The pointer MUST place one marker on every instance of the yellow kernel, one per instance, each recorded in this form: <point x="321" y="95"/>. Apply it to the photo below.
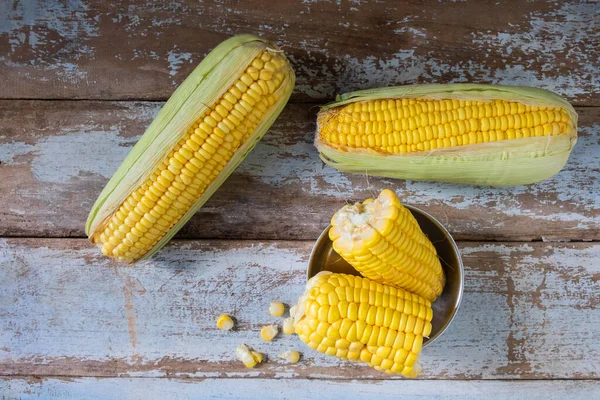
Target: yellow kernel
<point x="224" y="322"/>
<point x="276" y="309"/>
<point x="269" y="332"/>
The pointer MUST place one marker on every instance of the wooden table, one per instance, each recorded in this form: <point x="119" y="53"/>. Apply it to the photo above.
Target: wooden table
<point x="80" y="81"/>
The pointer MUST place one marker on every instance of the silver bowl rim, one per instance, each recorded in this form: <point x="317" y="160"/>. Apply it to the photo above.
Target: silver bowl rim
<point x="325" y="236"/>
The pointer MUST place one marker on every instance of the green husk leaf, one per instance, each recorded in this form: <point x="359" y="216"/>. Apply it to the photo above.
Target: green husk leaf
<point x="209" y="80"/>
<point x="502" y="163"/>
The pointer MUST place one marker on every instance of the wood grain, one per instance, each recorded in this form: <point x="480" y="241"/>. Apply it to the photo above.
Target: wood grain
<point x="211" y="388"/>
<point x="529" y="311"/>
<point x="142" y="50"/>
<point x="57" y="155"/>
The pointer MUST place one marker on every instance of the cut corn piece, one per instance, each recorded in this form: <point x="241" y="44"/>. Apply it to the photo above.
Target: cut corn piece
<point x="382" y="240"/>
<point x="291" y="356"/>
<point x="288" y="326"/>
<point x="269" y="332"/>
<point x="480" y="134"/>
<point x="357" y="319"/>
<point x="276" y="309"/>
<point x="249" y="357"/>
<point x="202" y="133"/>
<point x="224" y="322"/>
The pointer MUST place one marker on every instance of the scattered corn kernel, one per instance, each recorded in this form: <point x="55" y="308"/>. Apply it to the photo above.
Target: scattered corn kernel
<point x="269" y="332"/>
<point x="291" y="356"/>
<point x="224" y="322"/>
<point x="248" y="356"/>
<point x="276" y="309"/>
<point x="288" y="326"/>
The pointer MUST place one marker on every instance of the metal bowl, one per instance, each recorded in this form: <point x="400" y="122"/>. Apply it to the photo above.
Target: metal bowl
<point x="324" y="258"/>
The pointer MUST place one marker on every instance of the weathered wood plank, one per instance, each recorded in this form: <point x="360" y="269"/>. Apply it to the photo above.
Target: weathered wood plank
<point x="529" y="311"/>
<point x="56" y="157"/>
<point x="210" y="388"/>
<point x="142" y="49"/>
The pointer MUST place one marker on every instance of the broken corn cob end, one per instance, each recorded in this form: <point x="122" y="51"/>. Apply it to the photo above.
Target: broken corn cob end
<point x="383" y="241"/>
<point x="356" y="319"/>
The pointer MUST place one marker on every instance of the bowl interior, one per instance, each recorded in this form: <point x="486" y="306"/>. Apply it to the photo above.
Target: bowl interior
<point x="324" y="258"/>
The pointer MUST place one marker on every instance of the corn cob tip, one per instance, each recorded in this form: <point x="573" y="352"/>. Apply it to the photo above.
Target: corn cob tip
<point x="383" y="241"/>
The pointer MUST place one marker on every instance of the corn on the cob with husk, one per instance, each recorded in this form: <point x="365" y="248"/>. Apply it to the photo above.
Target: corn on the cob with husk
<point x="468" y="133"/>
<point x="201" y="134"/>
<point x="357" y="319"/>
<point x="382" y="240"/>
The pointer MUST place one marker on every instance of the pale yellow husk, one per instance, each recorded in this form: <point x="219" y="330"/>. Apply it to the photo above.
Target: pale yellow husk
<point x="203" y="87"/>
<point x="502" y="163"/>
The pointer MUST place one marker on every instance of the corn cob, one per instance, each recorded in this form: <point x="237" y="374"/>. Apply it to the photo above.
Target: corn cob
<point x="357" y="319"/>
<point x="202" y="133"/>
<point x="383" y="241"/>
<point x="480" y="134"/>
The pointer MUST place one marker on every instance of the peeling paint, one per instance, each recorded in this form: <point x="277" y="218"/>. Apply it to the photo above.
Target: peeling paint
<point x="9" y="152"/>
<point x="118" y="388"/>
<point x="415" y="32"/>
<point x="176" y="59"/>
<point x="298" y="164"/>
<point x="79" y="319"/>
<point x="286" y="161"/>
<point x="549" y="45"/>
<point x="47" y="29"/>
<point x="189" y="320"/>
<point x="59" y="159"/>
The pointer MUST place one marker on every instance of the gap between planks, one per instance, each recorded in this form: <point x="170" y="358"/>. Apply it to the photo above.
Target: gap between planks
<point x="42" y="195"/>
<point x="60" y="293"/>
<point x="71" y="377"/>
<point x="269" y="239"/>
